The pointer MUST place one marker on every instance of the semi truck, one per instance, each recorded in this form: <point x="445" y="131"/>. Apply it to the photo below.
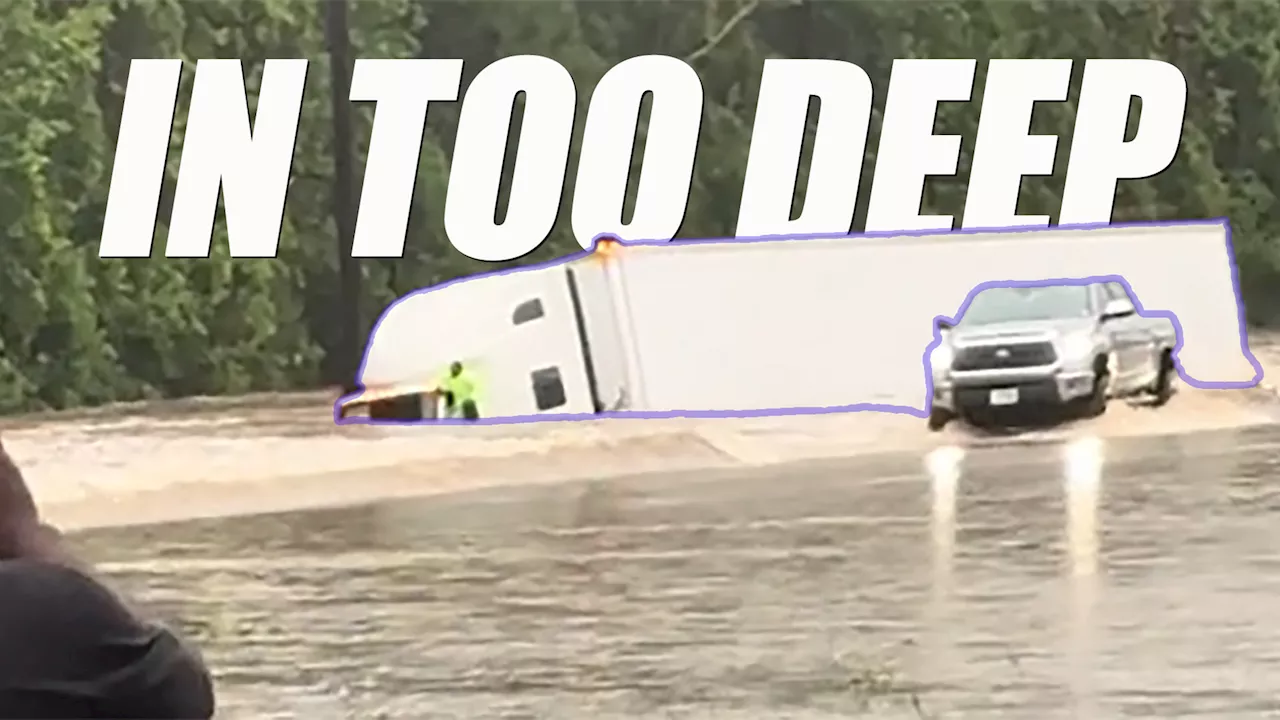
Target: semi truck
<point x="768" y="326"/>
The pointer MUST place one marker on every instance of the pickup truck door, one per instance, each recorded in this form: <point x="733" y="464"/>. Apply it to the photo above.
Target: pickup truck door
<point x="1132" y="340"/>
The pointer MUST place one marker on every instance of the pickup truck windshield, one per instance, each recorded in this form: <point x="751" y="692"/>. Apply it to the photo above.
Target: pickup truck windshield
<point x="999" y="305"/>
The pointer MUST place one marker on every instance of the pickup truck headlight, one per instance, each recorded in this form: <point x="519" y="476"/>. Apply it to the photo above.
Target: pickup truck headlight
<point x="1077" y="347"/>
<point x="940" y="358"/>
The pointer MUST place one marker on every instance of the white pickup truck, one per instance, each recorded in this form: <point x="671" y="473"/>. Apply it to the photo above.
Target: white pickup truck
<point x="1049" y="346"/>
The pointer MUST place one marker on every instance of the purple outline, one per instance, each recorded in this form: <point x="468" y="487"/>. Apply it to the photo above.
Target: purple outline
<point x="873" y="407"/>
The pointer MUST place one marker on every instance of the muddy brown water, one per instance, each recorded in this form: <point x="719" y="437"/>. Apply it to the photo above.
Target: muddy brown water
<point x="1091" y="579"/>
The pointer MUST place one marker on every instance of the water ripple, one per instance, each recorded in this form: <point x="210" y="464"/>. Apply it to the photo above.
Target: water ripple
<point x="1016" y="582"/>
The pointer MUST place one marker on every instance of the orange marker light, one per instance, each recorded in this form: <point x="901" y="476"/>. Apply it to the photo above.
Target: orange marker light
<point x="606" y="248"/>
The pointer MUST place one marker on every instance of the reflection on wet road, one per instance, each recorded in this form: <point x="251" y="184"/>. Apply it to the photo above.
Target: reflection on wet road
<point x="1127" y="578"/>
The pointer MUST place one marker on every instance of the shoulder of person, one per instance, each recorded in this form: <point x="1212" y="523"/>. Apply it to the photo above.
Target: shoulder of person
<point x="66" y="633"/>
<point x="25" y="571"/>
<point x="36" y="589"/>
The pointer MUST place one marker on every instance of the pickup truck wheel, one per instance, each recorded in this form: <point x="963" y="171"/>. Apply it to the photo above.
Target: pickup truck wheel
<point x="1096" y="403"/>
<point x="938" y="419"/>
<point x="1163" y="388"/>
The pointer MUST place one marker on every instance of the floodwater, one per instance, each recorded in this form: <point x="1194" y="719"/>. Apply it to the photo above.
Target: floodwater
<point x="1086" y="579"/>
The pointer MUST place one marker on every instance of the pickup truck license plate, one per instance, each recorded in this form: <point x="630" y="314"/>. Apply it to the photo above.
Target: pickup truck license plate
<point x="1004" y="396"/>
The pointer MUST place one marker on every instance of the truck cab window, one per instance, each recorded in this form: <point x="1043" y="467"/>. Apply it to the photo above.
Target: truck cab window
<point x="527" y="311"/>
<point x="548" y="388"/>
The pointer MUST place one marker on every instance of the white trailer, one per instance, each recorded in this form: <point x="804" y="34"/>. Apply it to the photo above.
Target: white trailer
<point x="778" y="325"/>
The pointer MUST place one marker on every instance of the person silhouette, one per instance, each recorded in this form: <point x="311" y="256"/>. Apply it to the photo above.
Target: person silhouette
<point x="459" y="388"/>
<point x="69" y="646"/>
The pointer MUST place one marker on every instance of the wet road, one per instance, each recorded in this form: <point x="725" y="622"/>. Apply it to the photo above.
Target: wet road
<point x="1091" y="579"/>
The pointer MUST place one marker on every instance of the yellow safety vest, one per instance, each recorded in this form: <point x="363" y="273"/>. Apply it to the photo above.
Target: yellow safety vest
<point x="462" y="386"/>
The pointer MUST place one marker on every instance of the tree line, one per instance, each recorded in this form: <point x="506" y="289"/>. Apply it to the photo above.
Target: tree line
<point x="76" y="330"/>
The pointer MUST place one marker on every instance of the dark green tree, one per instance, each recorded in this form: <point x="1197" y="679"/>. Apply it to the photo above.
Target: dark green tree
<point x="77" y="330"/>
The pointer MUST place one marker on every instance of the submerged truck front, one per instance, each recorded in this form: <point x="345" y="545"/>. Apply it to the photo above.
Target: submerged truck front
<point x="516" y="333"/>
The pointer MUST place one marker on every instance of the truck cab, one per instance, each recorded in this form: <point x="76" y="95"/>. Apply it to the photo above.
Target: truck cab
<point x="516" y="333"/>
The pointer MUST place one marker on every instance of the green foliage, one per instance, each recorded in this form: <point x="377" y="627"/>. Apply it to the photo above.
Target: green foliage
<point x="76" y="330"/>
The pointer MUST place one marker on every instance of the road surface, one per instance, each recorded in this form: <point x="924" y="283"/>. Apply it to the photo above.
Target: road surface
<point x="1083" y="578"/>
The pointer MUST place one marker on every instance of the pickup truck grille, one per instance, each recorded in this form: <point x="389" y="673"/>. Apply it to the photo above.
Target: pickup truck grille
<point x="1002" y="357"/>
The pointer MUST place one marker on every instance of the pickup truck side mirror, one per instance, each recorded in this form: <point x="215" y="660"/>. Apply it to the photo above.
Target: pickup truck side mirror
<point x="1117" y="308"/>
<point x="944" y="325"/>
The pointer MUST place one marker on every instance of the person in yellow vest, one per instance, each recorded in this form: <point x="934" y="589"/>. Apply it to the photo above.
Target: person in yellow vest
<point x="459" y="390"/>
